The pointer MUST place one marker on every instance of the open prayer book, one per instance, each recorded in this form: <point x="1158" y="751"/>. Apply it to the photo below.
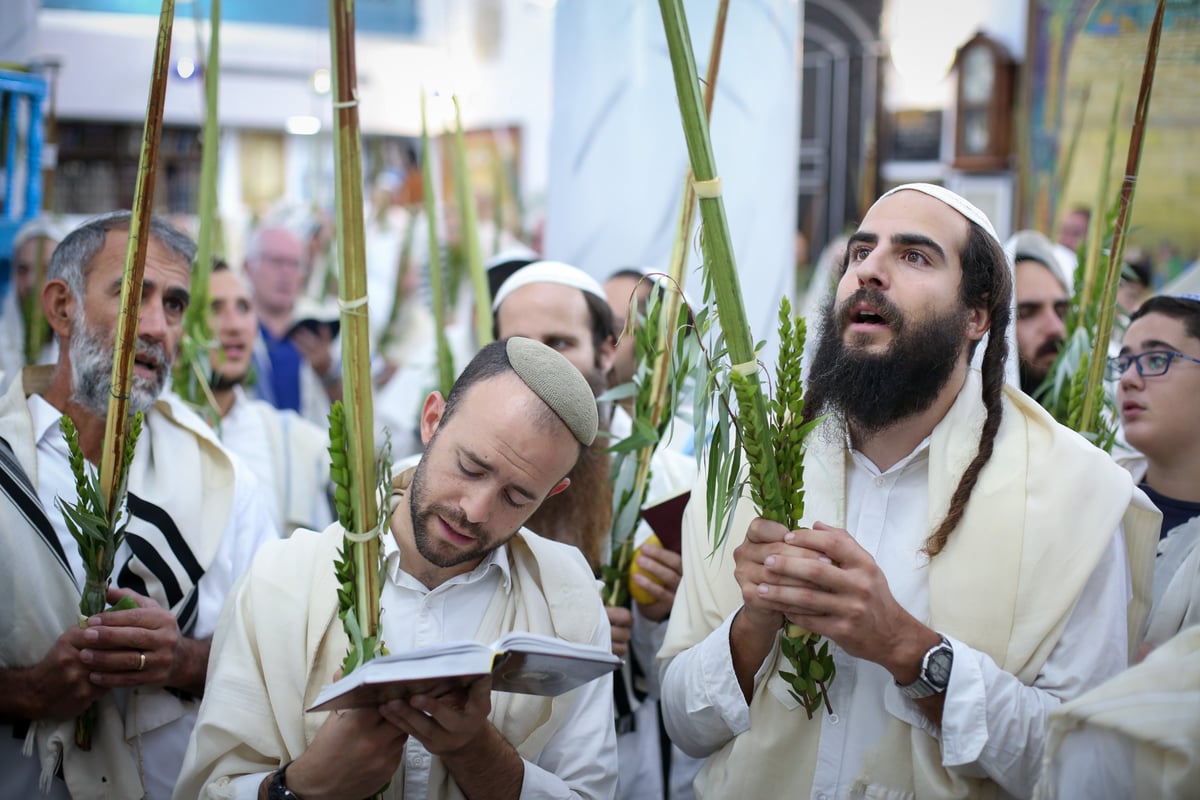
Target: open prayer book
<point x="526" y="663"/>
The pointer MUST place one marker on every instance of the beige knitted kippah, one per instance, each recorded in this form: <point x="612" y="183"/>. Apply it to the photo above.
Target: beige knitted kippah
<point x="560" y="385"/>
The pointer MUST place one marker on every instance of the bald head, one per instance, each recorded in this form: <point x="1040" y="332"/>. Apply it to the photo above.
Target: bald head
<point x="275" y="269"/>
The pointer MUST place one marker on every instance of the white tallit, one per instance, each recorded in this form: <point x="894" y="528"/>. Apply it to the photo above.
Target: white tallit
<point x="1005" y="584"/>
<point x="1135" y="735"/>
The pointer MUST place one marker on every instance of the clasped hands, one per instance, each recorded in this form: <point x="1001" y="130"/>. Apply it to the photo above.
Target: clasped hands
<point x="822" y="580"/>
<point x="115" y="649"/>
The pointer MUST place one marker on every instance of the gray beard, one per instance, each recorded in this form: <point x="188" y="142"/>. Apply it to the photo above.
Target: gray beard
<point x="91" y="372"/>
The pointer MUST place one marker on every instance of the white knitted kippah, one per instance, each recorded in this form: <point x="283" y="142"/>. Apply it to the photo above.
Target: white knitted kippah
<point x="38" y="227"/>
<point x="955" y="201"/>
<point x="1029" y="245"/>
<point x="548" y="272"/>
<point x="558" y="382"/>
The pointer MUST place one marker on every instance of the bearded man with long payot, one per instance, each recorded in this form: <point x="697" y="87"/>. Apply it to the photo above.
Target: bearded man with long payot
<point x="194" y="521"/>
<point x="967" y="558"/>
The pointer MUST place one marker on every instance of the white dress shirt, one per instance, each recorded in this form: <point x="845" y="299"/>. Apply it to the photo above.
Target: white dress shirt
<point x="250" y="524"/>
<point x="992" y="724"/>
<point x="241" y="432"/>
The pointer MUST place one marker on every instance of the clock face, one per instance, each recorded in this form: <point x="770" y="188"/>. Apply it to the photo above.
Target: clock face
<point x="977" y="134"/>
<point x="978" y="76"/>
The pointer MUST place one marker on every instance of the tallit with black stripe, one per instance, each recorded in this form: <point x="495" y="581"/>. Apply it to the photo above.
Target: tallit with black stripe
<point x="180" y="495"/>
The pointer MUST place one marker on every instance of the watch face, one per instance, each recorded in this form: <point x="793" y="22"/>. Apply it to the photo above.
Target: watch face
<point x="940" y="662"/>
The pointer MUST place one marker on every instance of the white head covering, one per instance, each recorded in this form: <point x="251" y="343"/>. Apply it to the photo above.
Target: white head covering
<point x="548" y="272"/>
<point x="40" y="226"/>
<point x="1029" y="245"/>
<point x="955" y="201"/>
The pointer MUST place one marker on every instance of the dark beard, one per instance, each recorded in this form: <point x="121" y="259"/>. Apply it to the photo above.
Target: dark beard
<point x="582" y="515"/>
<point x="873" y="392"/>
<point x="223" y="383"/>
<point x="1031" y="377"/>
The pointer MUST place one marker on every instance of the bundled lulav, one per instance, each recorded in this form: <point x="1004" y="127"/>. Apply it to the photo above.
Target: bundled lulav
<point x="667" y="351"/>
<point x="779" y="494"/>
<point x="754" y="428"/>
<point x="664" y="357"/>
<point x="363" y="645"/>
<point x="98" y="536"/>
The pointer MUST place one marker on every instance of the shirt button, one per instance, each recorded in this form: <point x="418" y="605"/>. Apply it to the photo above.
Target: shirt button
<point x="880" y="482"/>
<point x="833" y="719"/>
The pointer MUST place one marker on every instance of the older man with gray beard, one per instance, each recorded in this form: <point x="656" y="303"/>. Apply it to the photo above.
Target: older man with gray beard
<point x="194" y="521"/>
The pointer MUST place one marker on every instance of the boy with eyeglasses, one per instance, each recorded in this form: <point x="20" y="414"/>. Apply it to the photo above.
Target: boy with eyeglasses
<point x="1158" y="395"/>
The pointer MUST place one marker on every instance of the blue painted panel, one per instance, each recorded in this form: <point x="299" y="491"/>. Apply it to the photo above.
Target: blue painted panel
<point x="395" y="17"/>
<point x="20" y="90"/>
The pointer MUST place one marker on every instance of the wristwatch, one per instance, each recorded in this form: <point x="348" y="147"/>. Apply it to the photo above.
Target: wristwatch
<point x="278" y="789"/>
<point x="935" y="672"/>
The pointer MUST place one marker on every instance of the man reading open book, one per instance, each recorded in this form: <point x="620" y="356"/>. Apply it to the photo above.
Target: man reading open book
<point x="459" y="566"/>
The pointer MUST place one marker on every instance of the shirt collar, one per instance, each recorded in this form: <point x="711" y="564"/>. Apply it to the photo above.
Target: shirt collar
<point x="45" y="418"/>
<point x="497" y="559"/>
<point x="920" y="454"/>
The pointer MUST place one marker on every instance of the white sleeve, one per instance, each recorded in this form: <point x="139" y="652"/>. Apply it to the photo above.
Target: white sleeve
<point x="648" y="637"/>
<point x="702" y="702"/>
<point x="580" y="760"/>
<point x="994" y="725"/>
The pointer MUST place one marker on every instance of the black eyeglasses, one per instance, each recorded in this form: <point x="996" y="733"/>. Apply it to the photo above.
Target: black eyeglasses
<point x="1149" y="364"/>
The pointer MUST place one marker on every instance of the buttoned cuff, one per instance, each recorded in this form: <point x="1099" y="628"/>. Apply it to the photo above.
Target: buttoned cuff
<point x="719" y="686"/>
<point x="964" y="715"/>
<point x="538" y="784"/>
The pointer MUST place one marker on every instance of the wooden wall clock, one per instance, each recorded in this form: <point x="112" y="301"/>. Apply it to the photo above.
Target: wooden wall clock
<point x="983" y="122"/>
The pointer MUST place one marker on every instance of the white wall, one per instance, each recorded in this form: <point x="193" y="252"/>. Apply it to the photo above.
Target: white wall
<point x="618" y="156"/>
